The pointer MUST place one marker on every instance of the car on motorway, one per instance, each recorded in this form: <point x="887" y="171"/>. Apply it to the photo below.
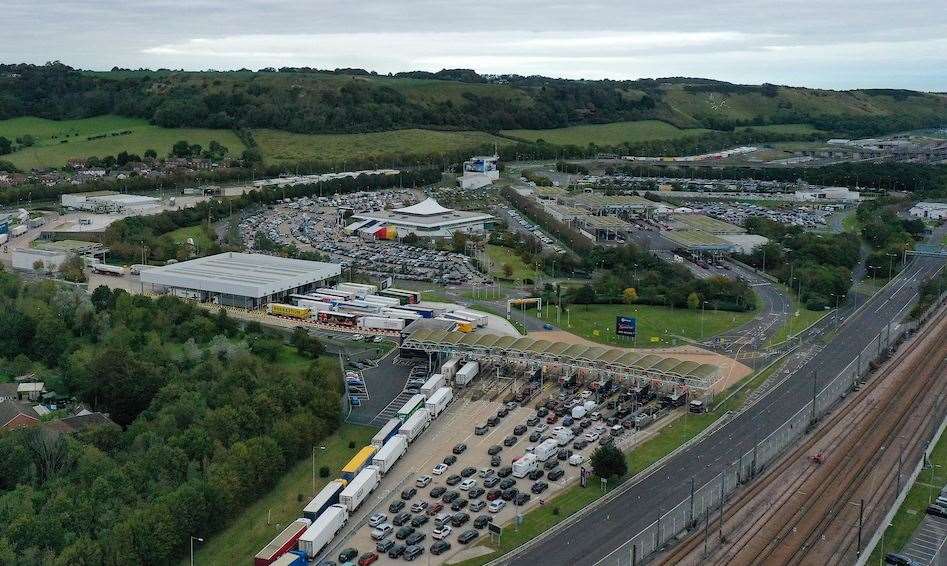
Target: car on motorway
<point x="367" y="559"/>
<point x="496" y="505"/>
<point x="468" y="536"/>
<point x="441" y="532"/>
<point x="407" y="494"/>
<point x="413" y="552"/>
<point x="459" y="448"/>
<point x="414" y="538"/>
<point x="419" y="521"/>
<point x="419" y="506"/>
<point x="438" y="491"/>
<point x="555" y="474"/>
<point x="423" y="481"/>
<point x="449" y="460"/>
<point x="450" y="496"/>
<point x="401" y="518"/>
<point x="491" y="481"/>
<point x="519" y="430"/>
<point x="458" y="504"/>
<point x="377" y="519"/>
<point x="495" y="461"/>
<point x="384" y="545"/>
<point x="539" y="487"/>
<point x="453" y="479"/>
<point x="382" y="531"/>
<point x="396" y="506"/>
<point x="521" y="499"/>
<point x="481" y="430"/>
<point x="439" y="469"/>
<point x="434" y="508"/>
<point x="468" y="484"/>
<point x="494" y="450"/>
<point x="468" y="471"/>
<point x="348" y="555"/>
<point x="509" y="441"/>
<point x="482" y="521"/>
<point x="507" y="483"/>
<point x="404" y="532"/>
<point x="458" y="519"/>
<point x="476" y="506"/>
<point x="396" y="551"/>
<point x="440" y="547"/>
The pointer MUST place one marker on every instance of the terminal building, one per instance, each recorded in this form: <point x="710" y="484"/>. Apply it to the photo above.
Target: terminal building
<point x="427" y="218"/>
<point x="104" y="202"/>
<point x="248" y="281"/>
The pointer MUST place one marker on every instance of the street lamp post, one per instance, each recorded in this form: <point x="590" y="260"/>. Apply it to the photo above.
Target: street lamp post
<point x="198" y="539"/>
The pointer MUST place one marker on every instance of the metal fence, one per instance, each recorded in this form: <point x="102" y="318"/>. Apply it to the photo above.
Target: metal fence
<point x="695" y="511"/>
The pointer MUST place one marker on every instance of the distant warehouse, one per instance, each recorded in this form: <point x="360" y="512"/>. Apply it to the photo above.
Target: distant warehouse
<point x="241" y="280"/>
<point x="108" y="202"/>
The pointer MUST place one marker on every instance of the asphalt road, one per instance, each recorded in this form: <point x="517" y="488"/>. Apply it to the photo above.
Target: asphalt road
<point x="597" y="535"/>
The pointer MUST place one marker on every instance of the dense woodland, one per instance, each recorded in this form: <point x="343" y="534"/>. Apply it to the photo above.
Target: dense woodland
<point x="353" y="100"/>
<point x="209" y="420"/>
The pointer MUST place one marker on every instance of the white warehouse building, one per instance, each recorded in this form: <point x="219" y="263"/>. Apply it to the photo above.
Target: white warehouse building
<point x="108" y="202"/>
<point x="241" y="280"/>
<point x="929" y="210"/>
<point x="427" y="218"/>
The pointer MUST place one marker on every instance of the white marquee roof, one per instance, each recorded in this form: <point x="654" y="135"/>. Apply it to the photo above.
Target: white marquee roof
<point x="427" y="207"/>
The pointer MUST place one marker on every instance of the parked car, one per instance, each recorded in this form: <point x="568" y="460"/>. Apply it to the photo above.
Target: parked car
<point x="551" y="463"/>
<point x="434" y="508"/>
<point x="468" y="536"/>
<point x="532" y="421"/>
<point x="459" y="448"/>
<point x="414" y="538"/>
<point x="441" y="532"/>
<point x="495" y="461"/>
<point x="494" y="494"/>
<point x="491" y="481"/>
<point x="509" y="441"/>
<point x="450" y="459"/>
<point x="423" y="481"/>
<point x="382" y="531"/>
<point x="539" y="487"/>
<point x="519" y="430"/>
<point x="535" y="436"/>
<point x="419" y="521"/>
<point x="439" y="469"/>
<point x="898" y="559"/>
<point x="468" y="484"/>
<point x="542" y="412"/>
<point x="476" y="492"/>
<point x="555" y="474"/>
<point x="521" y="499"/>
<point x="440" y="547"/>
<point x="507" y="483"/>
<point x="483" y="520"/>
<point x="396" y="506"/>
<point x="494" y="450"/>
<point x="477" y="506"/>
<point x="453" y="479"/>
<point x="458" y="519"/>
<point x="535" y="474"/>
<point x="419" y="506"/>
<point x="937" y="511"/>
<point x="438" y="491"/>
<point x="384" y="545"/>
<point x="396" y="551"/>
<point x="409" y="493"/>
<point x="401" y="518"/>
<point x="564" y="454"/>
<point x="503" y="412"/>
<point x="377" y="519"/>
<point x="450" y="496"/>
<point x="509" y="494"/>
<point x="496" y="505"/>
<point x="493" y="421"/>
<point x="468" y="471"/>
<point x="459" y="504"/>
<point x="479" y="430"/>
<point x="413" y="552"/>
<point x="348" y="555"/>
<point x="404" y="532"/>
<point x="367" y="559"/>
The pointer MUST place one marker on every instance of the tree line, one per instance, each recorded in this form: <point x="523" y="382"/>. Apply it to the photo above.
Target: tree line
<point x="208" y="422"/>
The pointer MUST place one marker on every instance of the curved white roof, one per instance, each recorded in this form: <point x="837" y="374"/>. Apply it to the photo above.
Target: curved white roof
<point x="427" y="207"/>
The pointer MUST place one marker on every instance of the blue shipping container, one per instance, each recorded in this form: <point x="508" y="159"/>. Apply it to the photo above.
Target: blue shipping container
<point x="5" y="228"/>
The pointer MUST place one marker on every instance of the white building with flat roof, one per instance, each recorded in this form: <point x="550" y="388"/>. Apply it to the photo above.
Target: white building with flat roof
<point x="931" y="210"/>
<point x="239" y="279"/>
<point x="427" y="218"/>
<point x="108" y="201"/>
<point x="828" y="193"/>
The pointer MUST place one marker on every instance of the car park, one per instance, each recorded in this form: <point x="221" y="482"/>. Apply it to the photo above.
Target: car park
<point x="556" y="474"/>
<point x="477" y="506"/>
<point x="413" y="552"/>
<point x="438" y="491"/>
<point x="468" y="536"/>
<point x="382" y="531"/>
<point x="439" y="469"/>
<point x="384" y="545"/>
<point x="458" y="504"/>
<point x="496" y="505"/>
<point x="482" y="521"/>
<point x="407" y="494"/>
<point x="401" y="518"/>
<point x="521" y="499"/>
<point x="377" y="519"/>
<point x="450" y="496"/>
<point x="434" y="508"/>
<point x="440" y="547"/>
<point x="494" y="450"/>
<point x="509" y="441"/>
<point x="419" y="521"/>
<point x="423" y="481"/>
<point x="441" y="532"/>
<point x="396" y="506"/>
<point x="458" y="519"/>
<point x="404" y="532"/>
<point x="396" y="551"/>
<point x="491" y="481"/>
<point x="453" y="480"/>
<point x="460" y="448"/>
<point x="450" y="459"/>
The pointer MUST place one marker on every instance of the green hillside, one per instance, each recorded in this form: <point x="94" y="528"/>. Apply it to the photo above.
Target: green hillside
<point x="607" y="134"/>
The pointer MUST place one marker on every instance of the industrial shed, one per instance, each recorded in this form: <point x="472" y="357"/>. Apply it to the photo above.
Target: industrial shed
<point x="241" y="280"/>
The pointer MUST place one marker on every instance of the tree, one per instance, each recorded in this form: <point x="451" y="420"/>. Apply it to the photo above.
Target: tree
<point x="507" y="270"/>
<point x="5" y="146"/>
<point x="73" y="269"/>
<point x="693" y="300"/>
<point x="305" y="344"/>
<point x="630" y="295"/>
<point x="181" y="149"/>
<point x="102" y="298"/>
<point x="584" y="295"/>
<point x="38" y="265"/>
<point x="266" y="347"/>
<point x="151" y="154"/>
<point x="608" y="461"/>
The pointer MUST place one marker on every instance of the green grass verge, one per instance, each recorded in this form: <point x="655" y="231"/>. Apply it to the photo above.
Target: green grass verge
<point x="657" y="326"/>
<point x="574" y="498"/>
<point x="911" y="511"/>
<point x="194" y="232"/>
<point x="607" y="134"/>
<point x="50" y="151"/>
<point x="249" y="532"/>
<point x="285" y="147"/>
<point x="500" y="256"/>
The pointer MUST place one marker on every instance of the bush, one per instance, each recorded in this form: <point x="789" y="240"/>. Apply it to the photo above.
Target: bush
<point x="608" y="461"/>
<point x="324" y="472"/>
<point x="351" y="444"/>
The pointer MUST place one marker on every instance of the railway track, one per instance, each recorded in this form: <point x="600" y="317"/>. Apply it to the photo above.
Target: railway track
<point x="800" y="513"/>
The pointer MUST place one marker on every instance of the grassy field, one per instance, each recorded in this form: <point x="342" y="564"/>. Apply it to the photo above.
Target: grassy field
<point x="285" y="147"/>
<point x="785" y="129"/>
<point x="196" y="232"/>
<point x="573" y="499"/>
<point x="607" y="134"/>
<point x="911" y="512"/>
<point x="50" y="151"/>
<point x="657" y="326"/>
<point x="501" y="256"/>
<point x="249" y="532"/>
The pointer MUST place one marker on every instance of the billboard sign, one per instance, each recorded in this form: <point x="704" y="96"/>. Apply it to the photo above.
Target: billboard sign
<point x="626" y="326"/>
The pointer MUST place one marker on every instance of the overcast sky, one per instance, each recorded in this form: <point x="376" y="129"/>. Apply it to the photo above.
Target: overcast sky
<point x="818" y="43"/>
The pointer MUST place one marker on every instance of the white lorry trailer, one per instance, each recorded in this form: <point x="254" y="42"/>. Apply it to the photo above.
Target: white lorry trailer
<point x="359" y="488"/>
<point x="323" y="530"/>
<point x="415" y="424"/>
<point x="433" y="383"/>
<point x="439" y="401"/>
<point x="466" y="374"/>
<point x="394" y="449"/>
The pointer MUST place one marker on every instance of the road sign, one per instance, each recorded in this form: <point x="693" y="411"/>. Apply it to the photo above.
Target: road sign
<point x="626" y="326"/>
<point x="495" y="529"/>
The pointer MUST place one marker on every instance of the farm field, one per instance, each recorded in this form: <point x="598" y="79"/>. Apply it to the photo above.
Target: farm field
<point x="49" y="150"/>
<point x="607" y="134"/>
<point x="285" y="147"/>
<point x="657" y="326"/>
